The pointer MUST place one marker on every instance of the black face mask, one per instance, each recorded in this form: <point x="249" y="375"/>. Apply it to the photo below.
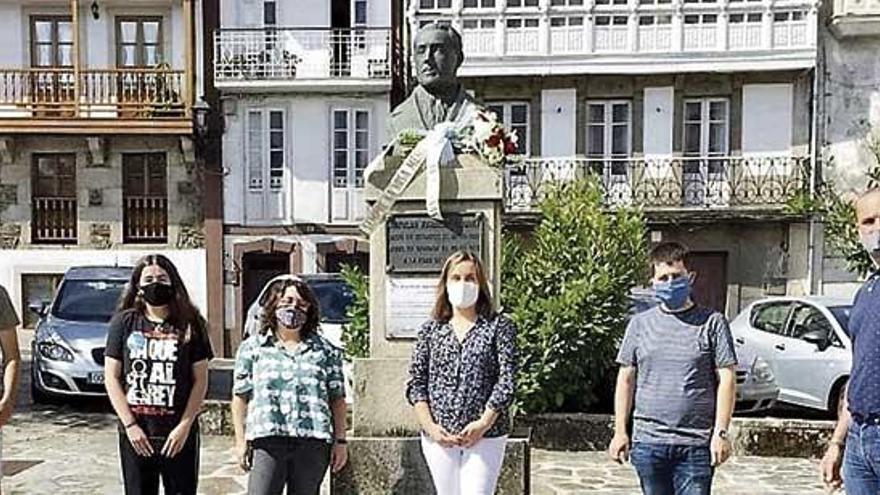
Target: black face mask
<point x="157" y="294"/>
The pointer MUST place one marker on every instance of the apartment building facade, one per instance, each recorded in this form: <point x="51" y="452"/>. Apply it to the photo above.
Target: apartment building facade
<point x="850" y="113"/>
<point x="305" y="89"/>
<point x="97" y="152"/>
<point x="698" y="112"/>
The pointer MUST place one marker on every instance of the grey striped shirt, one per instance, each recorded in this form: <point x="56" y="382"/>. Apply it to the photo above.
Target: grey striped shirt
<point x="676" y="356"/>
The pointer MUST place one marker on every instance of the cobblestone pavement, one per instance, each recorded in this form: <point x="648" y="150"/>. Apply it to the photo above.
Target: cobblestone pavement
<point x="67" y="450"/>
<point x="72" y="450"/>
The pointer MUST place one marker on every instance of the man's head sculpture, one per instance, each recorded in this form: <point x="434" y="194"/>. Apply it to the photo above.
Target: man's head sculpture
<point x="437" y="55"/>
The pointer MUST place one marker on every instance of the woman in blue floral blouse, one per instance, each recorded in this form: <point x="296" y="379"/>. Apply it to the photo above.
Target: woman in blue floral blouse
<point x="288" y="405"/>
<point x="462" y="381"/>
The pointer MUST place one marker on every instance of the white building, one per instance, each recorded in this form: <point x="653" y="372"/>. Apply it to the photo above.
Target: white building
<point x="698" y="111"/>
<point x="305" y="88"/>
<point x="96" y="140"/>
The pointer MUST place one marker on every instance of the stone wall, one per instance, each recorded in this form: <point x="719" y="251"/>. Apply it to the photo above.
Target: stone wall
<point x="99" y="189"/>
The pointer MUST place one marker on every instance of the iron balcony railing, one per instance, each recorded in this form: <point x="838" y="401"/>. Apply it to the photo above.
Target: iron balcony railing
<point x="301" y="54"/>
<point x="688" y="183"/>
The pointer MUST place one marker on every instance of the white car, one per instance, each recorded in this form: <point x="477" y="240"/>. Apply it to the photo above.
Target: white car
<point x="806" y="342"/>
<point x="333" y="295"/>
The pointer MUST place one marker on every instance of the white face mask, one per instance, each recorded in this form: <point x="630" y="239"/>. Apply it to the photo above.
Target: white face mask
<point x="462" y="295"/>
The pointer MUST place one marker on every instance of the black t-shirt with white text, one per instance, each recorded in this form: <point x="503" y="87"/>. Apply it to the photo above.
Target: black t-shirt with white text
<point x="157" y="368"/>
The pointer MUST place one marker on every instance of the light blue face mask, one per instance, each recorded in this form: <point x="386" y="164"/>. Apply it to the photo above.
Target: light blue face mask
<point x="675" y="293"/>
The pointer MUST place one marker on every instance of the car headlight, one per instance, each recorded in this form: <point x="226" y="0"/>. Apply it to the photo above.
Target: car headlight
<point x="762" y="371"/>
<point x="51" y="346"/>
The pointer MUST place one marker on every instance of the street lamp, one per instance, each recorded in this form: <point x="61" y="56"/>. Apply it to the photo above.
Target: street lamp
<point x="200" y="118"/>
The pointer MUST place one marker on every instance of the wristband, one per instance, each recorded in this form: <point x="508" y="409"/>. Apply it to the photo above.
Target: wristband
<point x="340" y="441"/>
<point x="130" y="424"/>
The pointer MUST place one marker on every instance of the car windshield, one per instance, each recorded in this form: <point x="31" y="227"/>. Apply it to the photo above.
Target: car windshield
<point x="334" y="297"/>
<point x="87" y="300"/>
<point x="841" y="314"/>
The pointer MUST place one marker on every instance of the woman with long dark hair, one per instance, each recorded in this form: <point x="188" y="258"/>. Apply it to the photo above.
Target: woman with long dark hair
<point x="156" y="376"/>
<point x="288" y="403"/>
<point x="462" y="381"/>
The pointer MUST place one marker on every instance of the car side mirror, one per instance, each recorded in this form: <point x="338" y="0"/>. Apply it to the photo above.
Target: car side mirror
<point x="817" y="337"/>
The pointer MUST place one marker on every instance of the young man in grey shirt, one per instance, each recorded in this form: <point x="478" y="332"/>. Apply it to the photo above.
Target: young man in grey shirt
<point x="677" y="377"/>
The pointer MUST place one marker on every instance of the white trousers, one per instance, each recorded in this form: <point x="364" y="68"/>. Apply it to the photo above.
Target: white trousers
<point x="465" y="471"/>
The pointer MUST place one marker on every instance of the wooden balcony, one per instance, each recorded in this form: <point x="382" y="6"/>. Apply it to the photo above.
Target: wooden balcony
<point x="94" y="101"/>
<point x="732" y="186"/>
<point x="54" y="220"/>
<point x="145" y="219"/>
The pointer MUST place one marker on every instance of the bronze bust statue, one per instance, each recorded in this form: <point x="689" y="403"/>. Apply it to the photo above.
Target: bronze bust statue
<point x="439" y="96"/>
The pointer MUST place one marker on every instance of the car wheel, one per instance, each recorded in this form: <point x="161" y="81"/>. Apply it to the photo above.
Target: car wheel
<point x="836" y="402"/>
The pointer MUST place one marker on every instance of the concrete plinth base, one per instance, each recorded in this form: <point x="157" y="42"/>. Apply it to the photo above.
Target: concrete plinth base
<point x="395" y="465"/>
<point x="380" y="408"/>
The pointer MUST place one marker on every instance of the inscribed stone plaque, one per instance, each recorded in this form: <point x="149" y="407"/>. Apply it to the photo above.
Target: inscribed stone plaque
<point x="420" y="244"/>
<point x="408" y="303"/>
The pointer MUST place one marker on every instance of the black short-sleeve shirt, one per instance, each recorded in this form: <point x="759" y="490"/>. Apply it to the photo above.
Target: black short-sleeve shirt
<point x="157" y="368"/>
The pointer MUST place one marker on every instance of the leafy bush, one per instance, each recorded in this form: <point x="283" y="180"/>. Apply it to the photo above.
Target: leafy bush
<point x="838" y="215"/>
<point x="567" y="289"/>
<point x="356" y="333"/>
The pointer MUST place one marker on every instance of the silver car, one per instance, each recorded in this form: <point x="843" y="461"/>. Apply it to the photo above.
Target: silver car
<point x="806" y="341"/>
<point x="68" y="346"/>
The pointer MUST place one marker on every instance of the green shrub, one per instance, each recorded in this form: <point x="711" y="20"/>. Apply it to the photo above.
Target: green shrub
<point x="356" y="333"/>
<point x="567" y="289"/>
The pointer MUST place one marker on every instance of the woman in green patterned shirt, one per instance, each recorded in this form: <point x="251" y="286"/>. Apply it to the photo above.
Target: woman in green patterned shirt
<point x="288" y="405"/>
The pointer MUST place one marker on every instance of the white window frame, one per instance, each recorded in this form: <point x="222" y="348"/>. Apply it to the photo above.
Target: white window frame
<point x="481" y="4"/>
<point x="705" y="126"/>
<point x="354" y="175"/>
<point x="507" y="115"/>
<point x="265" y="181"/>
<point x="608" y="128"/>
<point x="434" y="5"/>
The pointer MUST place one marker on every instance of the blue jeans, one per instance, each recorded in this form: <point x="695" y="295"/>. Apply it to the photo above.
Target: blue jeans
<point x="861" y="462"/>
<point x="673" y="469"/>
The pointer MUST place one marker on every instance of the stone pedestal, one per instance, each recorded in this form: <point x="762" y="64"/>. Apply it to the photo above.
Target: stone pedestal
<point x="469" y="188"/>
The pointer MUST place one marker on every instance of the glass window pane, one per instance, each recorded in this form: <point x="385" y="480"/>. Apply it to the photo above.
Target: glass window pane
<point x="531" y="23"/>
<point x="151" y="31"/>
<point x="128" y="31"/>
<point x="692" y="139"/>
<point x="361" y="120"/>
<point x="557" y="21"/>
<point x="717" y="138"/>
<point x="340" y="140"/>
<point x="575" y="21"/>
<point x="340" y="119"/>
<point x="276" y="140"/>
<point x="519" y="114"/>
<point x="596" y="113"/>
<point x="42" y="31"/>
<point x="269" y="13"/>
<point x="523" y="134"/>
<point x="360" y="140"/>
<point x="65" y="56"/>
<point x="444" y="4"/>
<point x="498" y="110"/>
<point x="692" y="111"/>
<point x="718" y="110"/>
<point x="710" y="19"/>
<point x="151" y="56"/>
<point x="603" y="20"/>
<point x="470" y="4"/>
<point x="340" y="159"/>
<point x="276" y="120"/>
<point x="128" y="56"/>
<point x="65" y="32"/>
<point x="44" y="56"/>
<point x="619" y="144"/>
<point x="276" y="159"/>
<point x="596" y="140"/>
<point x="620" y="112"/>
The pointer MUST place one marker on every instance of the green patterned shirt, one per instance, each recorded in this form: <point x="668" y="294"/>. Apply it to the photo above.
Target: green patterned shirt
<point x="289" y="392"/>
